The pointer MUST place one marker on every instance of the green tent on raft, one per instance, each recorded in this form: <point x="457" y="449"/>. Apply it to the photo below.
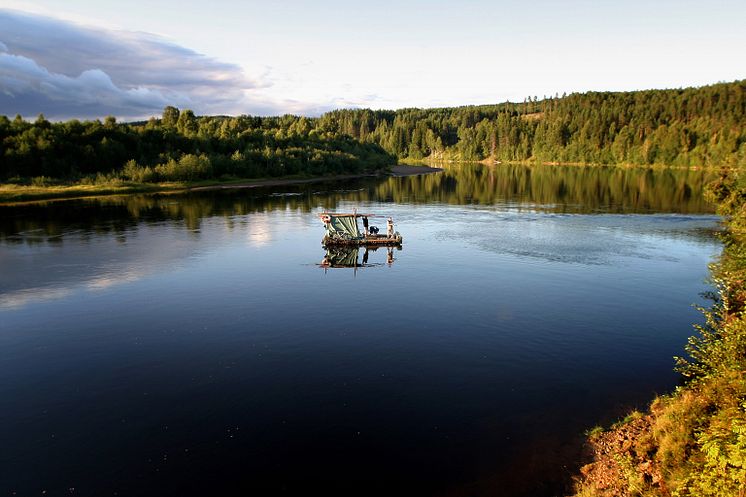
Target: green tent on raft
<point x="343" y="226"/>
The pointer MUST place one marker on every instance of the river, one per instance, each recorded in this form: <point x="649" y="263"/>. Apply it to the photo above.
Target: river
<point x="193" y="344"/>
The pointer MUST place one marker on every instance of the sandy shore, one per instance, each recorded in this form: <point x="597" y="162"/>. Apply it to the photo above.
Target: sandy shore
<point x="398" y="170"/>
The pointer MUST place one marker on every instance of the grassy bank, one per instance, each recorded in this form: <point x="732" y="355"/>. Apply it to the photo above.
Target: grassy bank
<point x="691" y="442"/>
<point x="20" y="193"/>
<point x="57" y="190"/>
<point x="45" y="189"/>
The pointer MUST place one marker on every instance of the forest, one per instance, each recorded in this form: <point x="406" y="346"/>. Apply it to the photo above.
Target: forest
<point x="704" y="126"/>
<point x="179" y="147"/>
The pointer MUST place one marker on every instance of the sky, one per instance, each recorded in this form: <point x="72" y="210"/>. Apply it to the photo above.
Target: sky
<point x="91" y="58"/>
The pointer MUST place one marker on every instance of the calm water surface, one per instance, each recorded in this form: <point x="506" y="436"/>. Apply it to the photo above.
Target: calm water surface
<point x="192" y="345"/>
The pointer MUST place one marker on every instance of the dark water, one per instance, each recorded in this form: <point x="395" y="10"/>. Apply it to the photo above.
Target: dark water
<point x="192" y="344"/>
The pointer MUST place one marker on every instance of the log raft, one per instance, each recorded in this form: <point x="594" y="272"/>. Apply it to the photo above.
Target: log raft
<point x="342" y="229"/>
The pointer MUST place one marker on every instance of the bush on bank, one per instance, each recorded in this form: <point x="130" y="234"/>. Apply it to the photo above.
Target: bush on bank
<point x="692" y="443"/>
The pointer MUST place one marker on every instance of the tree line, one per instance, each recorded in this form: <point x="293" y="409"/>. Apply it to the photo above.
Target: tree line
<point x="180" y="147"/>
<point x="686" y="127"/>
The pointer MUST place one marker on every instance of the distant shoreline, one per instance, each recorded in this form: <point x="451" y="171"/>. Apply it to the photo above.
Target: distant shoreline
<point x="11" y="194"/>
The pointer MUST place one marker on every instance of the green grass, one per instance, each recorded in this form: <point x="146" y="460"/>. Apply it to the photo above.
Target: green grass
<point x="594" y="432"/>
<point x="44" y="188"/>
<point x="21" y="193"/>
<point x="628" y="419"/>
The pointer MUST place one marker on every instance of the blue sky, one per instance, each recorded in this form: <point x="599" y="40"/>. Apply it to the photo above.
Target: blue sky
<point x="82" y="58"/>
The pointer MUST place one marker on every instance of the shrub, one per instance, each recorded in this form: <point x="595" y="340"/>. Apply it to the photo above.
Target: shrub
<point x="138" y="174"/>
<point x="189" y="167"/>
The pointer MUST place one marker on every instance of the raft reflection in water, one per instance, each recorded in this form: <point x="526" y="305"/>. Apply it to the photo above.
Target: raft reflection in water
<point x="349" y="257"/>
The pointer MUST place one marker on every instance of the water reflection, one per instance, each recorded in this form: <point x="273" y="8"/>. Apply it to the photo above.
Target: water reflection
<point x="349" y="257"/>
<point x="559" y="189"/>
<point x="97" y="228"/>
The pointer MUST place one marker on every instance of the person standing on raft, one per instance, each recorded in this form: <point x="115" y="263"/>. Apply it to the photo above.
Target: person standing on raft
<point x="390" y="228"/>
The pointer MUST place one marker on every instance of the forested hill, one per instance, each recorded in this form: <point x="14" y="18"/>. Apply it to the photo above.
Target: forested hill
<point x="693" y="126"/>
<point x="180" y="147"/>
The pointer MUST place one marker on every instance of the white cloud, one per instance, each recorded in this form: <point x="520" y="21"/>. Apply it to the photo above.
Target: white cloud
<point x="28" y="89"/>
<point x="67" y="70"/>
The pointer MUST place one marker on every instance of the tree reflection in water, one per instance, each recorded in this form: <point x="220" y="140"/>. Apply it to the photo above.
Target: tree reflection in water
<point x="561" y="189"/>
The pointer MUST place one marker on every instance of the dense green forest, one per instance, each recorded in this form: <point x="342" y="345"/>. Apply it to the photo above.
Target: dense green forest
<point x="180" y="147"/>
<point x="689" y="127"/>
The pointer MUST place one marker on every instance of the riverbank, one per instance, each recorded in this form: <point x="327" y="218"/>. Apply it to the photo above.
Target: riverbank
<point x="691" y="442"/>
<point x="10" y="193"/>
